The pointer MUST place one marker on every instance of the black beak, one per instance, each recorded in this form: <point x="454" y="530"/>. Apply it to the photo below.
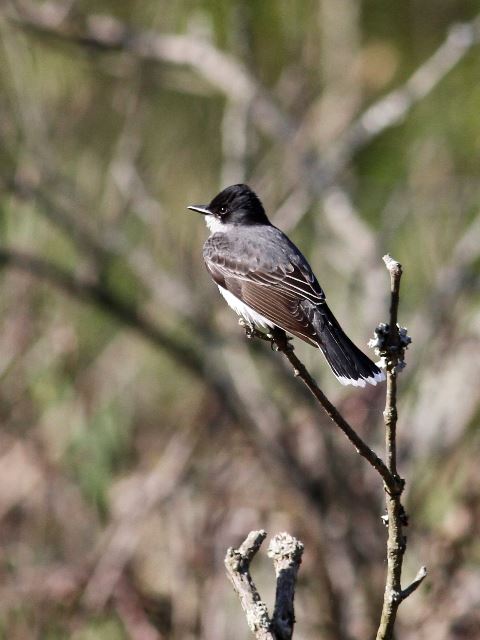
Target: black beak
<point x="200" y="208"/>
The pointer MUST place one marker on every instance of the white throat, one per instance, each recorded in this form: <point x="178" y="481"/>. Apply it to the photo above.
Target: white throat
<point x="214" y="224"/>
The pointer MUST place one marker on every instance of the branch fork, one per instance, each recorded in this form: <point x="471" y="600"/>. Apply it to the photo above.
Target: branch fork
<point x="286" y="553"/>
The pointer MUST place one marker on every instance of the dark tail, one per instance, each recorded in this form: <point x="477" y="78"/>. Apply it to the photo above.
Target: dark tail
<point x="347" y="362"/>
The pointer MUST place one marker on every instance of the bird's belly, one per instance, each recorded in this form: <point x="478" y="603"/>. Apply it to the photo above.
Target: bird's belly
<point x="241" y="309"/>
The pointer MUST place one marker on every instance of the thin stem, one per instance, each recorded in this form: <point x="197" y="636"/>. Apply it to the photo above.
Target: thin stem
<point x="396" y="516"/>
<point x="362" y="448"/>
<point x="395" y="269"/>
<point x="390" y="417"/>
<point x="416" y="582"/>
<point x="393" y="346"/>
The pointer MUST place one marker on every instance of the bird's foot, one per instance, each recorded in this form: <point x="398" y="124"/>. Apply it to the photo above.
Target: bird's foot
<point x="279" y="340"/>
<point x="250" y="330"/>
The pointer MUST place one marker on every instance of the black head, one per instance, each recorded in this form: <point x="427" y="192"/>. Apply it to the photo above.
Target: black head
<point x="237" y="204"/>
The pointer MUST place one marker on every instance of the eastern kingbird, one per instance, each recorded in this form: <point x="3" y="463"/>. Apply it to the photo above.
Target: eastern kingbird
<point x="268" y="282"/>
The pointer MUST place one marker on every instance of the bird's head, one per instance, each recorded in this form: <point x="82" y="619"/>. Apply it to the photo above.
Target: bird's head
<point x="235" y="205"/>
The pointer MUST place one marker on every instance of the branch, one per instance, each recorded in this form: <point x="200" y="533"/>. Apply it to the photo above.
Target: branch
<point x="286" y="553"/>
<point x="392" y="347"/>
<point x="237" y="564"/>
<point x="413" y="586"/>
<point x="281" y="342"/>
<point x="396" y="517"/>
<point x="395" y="340"/>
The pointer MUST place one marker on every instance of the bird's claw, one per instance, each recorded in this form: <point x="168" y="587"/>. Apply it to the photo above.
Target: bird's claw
<point x="250" y="330"/>
<point x="278" y="339"/>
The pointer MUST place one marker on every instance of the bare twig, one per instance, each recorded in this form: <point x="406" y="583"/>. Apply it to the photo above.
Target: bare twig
<point x="270" y="435"/>
<point x="286" y="553"/>
<point x="416" y="582"/>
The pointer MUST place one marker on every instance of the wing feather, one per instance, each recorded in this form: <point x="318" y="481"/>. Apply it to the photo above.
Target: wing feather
<point x="283" y="310"/>
<point x="276" y="291"/>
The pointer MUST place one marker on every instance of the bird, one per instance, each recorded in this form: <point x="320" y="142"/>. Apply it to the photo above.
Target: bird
<point x="269" y="283"/>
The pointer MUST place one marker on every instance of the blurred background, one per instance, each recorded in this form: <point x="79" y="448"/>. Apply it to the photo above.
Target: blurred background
<point x="141" y="433"/>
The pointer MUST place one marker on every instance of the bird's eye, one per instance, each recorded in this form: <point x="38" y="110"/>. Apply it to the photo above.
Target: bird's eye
<point x="223" y="210"/>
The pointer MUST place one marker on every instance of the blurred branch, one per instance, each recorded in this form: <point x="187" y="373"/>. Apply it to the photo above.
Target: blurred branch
<point x="219" y="69"/>
<point x="104" y="299"/>
<point x="62" y="215"/>
<point x="130" y="610"/>
<point x="69" y="216"/>
<point x="123" y="535"/>
<point x="234" y="142"/>
<point x="392" y="108"/>
<point x="383" y="114"/>
<point x="197" y="361"/>
<point x="286" y="553"/>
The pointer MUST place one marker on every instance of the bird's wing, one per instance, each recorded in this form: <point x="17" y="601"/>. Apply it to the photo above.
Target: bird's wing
<point x="286" y="293"/>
